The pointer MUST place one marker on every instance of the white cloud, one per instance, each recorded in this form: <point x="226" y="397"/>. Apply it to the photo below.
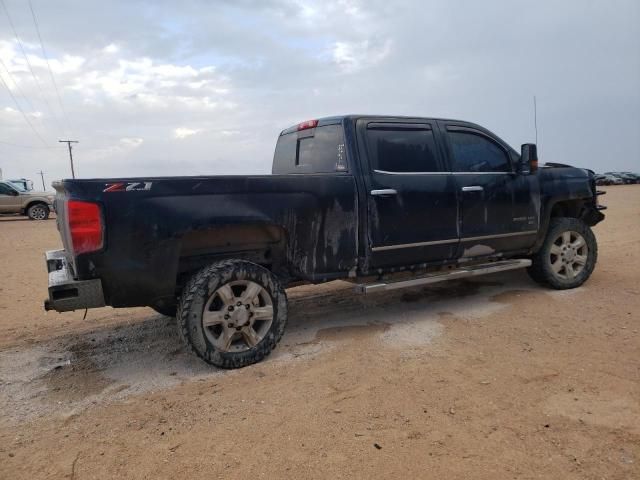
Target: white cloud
<point x="350" y="7"/>
<point x="15" y="62"/>
<point x="121" y="147"/>
<point x="354" y="56"/>
<point x="68" y="63"/>
<point x="183" y="132"/>
<point x="153" y="85"/>
<point x="111" y="48"/>
<point x="132" y="142"/>
<point x="307" y="11"/>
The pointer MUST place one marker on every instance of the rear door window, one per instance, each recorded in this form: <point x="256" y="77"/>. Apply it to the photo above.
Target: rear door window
<point x="402" y="148"/>
<point x="316" y="150"/>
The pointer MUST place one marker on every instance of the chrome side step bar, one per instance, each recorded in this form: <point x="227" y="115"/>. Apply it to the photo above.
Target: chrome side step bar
<point x="461" y="272"/>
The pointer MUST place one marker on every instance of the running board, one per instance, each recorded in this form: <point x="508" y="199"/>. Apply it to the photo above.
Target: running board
<point x="461" y="272"/>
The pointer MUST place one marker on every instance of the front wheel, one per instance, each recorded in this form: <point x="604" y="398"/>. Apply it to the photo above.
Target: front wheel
<point x="567" y="256"/>
<point x="232" y="313"/>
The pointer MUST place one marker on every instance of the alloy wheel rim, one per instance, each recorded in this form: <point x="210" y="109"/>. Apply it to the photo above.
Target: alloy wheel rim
<point x="568" y="255"/>
<point x="237" y="316"/>
<point x="38" y="213"/>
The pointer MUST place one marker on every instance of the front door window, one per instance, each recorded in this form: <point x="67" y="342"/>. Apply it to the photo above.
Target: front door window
<point x="476" y="153"/>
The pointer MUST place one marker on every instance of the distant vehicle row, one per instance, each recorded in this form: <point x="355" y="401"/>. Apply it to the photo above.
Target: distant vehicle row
<point x="617" y="178"/>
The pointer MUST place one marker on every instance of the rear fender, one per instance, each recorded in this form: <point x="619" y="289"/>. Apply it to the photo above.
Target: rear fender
<point x="260" y="243"/>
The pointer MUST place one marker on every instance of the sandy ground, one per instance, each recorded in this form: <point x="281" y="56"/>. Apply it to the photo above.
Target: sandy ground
<point x="491" y="378"/>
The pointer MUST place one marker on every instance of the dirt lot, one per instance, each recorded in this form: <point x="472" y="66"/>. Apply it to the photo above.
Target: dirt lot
<point x="491" y="378"/>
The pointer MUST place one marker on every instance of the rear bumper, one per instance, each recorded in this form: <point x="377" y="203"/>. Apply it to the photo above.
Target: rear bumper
<point x="67" y="294"/>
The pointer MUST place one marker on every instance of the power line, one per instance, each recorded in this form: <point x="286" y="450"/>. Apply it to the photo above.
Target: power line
<point x="53" y="80"/>
<point x="17" y="86"/>
<point x="24" y="54"/>
<point x="27" y="146"/>
<point x="22" y="111"/>
<point x="94" y="148"/>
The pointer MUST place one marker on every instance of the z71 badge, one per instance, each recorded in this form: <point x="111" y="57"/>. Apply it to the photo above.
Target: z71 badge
<point x="127" y="187"/>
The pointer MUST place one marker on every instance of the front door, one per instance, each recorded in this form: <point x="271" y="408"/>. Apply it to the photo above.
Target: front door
<point x="411" y="198"/>
<point x="9" y="200"/>
<point x="498" y="208"/>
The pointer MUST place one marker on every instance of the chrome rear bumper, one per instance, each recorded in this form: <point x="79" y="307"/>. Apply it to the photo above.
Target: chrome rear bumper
<point x="67" y="294"/>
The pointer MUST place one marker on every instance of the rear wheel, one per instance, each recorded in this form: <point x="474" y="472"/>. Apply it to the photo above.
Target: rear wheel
<point x="38" y="211"/>
<point x="567" y="256"/>
<point x="232" y="313"/>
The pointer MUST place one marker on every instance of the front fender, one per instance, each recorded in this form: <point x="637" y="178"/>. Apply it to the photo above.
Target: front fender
<point x="566" y="191"/>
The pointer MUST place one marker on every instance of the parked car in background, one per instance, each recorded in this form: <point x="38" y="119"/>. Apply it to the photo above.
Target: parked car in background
<point x="626" y="178"/>
<point x="14" y="199"/>
<point x="634" y="176"/>
<point x="24" y="183"/>
<point x="607" y="179"/>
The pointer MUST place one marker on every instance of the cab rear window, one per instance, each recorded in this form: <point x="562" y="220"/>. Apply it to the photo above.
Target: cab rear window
<point x="315" y="150"/>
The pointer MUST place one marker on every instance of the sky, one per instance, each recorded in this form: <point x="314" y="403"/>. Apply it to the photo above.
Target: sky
<point x="153" y="88"/>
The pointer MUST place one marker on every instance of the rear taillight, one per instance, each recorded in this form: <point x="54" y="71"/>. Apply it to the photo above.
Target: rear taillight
<point x="85" y="226"/>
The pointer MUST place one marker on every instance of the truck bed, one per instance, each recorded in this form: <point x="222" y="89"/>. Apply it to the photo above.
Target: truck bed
<point x="157" y="228"/>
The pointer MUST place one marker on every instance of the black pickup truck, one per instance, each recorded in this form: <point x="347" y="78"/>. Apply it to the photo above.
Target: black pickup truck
<point x="382" y="201"/>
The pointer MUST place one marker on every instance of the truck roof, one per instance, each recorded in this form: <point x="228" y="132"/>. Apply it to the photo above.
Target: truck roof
<point x="334" y="119"/>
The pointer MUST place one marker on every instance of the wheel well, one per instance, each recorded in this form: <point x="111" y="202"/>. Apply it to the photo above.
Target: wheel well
<point x="581" y="208"/>
<point x="568" y="208"/>
<point x="32" y="203"/>
<point x="262" y="244"/>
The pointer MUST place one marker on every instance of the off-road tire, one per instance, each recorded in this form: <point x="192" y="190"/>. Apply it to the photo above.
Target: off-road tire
<point x="541" y="269"/>
<point x="198" y="290"/>
<point x="38" y="211"/>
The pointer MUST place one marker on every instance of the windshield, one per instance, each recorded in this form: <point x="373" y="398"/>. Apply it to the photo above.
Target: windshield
<point x="18" y="187"/>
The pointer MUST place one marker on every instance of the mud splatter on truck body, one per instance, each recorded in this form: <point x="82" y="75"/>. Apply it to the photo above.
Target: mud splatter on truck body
<point x="306" y="225"/>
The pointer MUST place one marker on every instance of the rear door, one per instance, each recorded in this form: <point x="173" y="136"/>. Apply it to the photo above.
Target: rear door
<point x="411" y="197"/>
<point x="498" y="208"/>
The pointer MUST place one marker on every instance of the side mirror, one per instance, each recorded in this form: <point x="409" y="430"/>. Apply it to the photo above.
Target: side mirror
<point x="529" y="158"/>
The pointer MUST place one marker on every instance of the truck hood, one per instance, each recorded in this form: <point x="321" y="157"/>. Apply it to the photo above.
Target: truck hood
<point x="45" y="195"/>
<point x="35" y="193"/>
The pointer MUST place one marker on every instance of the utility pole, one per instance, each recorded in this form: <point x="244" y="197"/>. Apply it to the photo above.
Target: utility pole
<point x="69" y="142"/>
<point x="42" y="176"/>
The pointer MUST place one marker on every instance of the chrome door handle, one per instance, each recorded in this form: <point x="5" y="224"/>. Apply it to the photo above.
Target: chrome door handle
<point x="473" y="188"/>
<point x="384" y="191"/>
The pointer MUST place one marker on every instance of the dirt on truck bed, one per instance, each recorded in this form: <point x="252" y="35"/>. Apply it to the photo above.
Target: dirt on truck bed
<point x="490" y="378"/>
